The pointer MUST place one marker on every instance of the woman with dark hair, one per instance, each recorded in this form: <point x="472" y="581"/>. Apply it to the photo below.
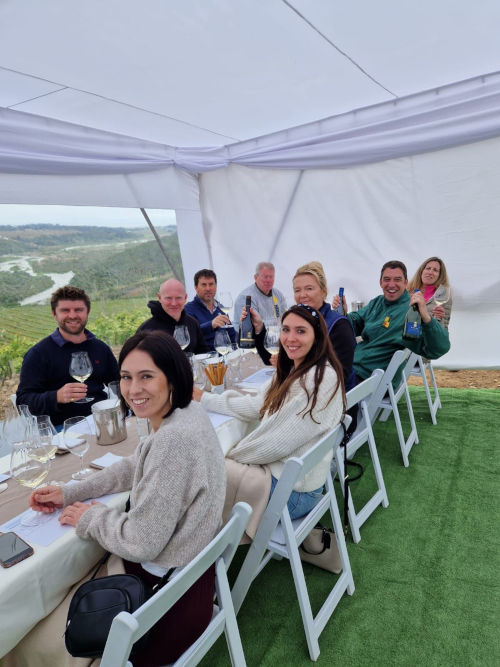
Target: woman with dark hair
<point x="431" y="278"/>
<point x="304" y="400"/>
<point x="177" y="486"/>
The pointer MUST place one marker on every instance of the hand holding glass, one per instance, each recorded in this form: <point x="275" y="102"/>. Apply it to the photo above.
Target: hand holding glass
<point x="225" y="304"/>
<point x="80" y="369"/>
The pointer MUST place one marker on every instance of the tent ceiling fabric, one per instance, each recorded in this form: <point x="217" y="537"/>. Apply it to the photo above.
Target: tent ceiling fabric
<point x="372" y="130"/>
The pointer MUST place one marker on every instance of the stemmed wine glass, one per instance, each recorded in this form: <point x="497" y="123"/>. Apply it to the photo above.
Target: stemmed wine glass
<point x="441" y="295"/>
<point x="199" y="377"/>
<point x="80" y="369"/>
<point x="181" y="335"/>
<point x="29" y="467"/>
<point x="272" y="339"/>
<point x="222" y="342"/>
<point x="76" y="433"/>
<point x="225" y="301"/>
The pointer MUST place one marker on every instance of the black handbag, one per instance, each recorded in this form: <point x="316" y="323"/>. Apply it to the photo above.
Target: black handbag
<point x="95" y="604"/>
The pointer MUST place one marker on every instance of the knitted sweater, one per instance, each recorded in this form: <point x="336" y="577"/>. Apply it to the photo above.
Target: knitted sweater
<point x="380" y="342"/>
<point x="177" y="481"/>
<point x="287" y="432"/>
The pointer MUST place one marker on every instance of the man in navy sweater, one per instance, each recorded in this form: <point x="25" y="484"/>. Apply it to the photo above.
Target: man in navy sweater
<point x="206" y="309"/>
<point x="45" y="384"/>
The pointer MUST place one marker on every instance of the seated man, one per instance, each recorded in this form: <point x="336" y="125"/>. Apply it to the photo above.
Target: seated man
<point x="168" y="312"/>
<point x="45" y="384"/>
<point x="206" y="309"/>
<point x="380" y="324"/>
<point x="268" y="302"/>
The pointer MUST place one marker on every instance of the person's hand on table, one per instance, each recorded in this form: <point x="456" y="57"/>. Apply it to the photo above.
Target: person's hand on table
<point x="71" y="514"/>
<point x="273" y="360"/>
<point x="418" y="299"/>
<point x="220" y="321"/>
<point x="257" y="321"/>
<point x="71" y="392"/>
<point x="197" y="394"/>
<point x="46" y="499"/>
<point x="438" y="312"/>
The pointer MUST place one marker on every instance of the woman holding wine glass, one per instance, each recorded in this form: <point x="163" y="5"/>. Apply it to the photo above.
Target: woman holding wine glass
<point x="177" y="487"/>
<point x="431" y="278"/>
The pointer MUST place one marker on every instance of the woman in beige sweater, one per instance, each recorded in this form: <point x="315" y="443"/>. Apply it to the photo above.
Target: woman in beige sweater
<point x="177" y="485"/>
<point x="303" y="401"/>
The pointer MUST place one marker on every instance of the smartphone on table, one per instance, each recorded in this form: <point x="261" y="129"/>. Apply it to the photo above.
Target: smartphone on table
<point x="13" y="549"/>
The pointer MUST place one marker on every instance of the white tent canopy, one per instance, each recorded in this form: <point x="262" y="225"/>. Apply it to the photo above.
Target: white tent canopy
<point x="282" y="130"/>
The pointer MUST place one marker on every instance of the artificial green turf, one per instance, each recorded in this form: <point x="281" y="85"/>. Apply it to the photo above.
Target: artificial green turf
<point x="427" y="568"/>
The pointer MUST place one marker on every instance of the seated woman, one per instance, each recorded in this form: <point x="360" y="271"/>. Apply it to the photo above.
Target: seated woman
<point x="177" y="482"/>
<point x="309" y="287"/>
<point x="431" y="279"/>
<point x="304" y="400"/>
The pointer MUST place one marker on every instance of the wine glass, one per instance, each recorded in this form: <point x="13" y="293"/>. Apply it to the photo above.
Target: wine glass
<point x="44" y="447"/>
<point x="181" y="335"/>
<point x="29" y="471"/>
<point x="199" y="377"/>
<point x="80" y="369"/>
<point x="272" y="340"/>
<point x="222" y="342"/>
<point x="234" y="363"/>
<point x="441" y="296"/>
<point x="225" y="301"/>
<point x="76" y="433"/>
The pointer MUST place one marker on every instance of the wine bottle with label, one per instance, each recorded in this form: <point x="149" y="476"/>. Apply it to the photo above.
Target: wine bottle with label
<point x="412" y="328"/>
<point x="340" y="308"/>
<point x="247" y="333"/>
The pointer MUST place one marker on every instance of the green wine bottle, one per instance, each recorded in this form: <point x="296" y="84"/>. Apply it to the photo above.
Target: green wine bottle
<point x="412" y="328"/>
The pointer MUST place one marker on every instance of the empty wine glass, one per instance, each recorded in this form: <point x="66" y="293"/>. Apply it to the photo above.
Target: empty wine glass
<point x="199" y="377"/>
<point x="80" y="369"/>
<point x="225" y="301"/>
<point x="222" y="342"/>
<point x="181" y="335"/>
<point x="29" y="471"/>
<point x="76" y="433"/>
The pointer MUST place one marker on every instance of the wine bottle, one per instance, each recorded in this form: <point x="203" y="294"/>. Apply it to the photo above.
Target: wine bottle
<point x="340" y="308"/>
<point x="412" y="328"/>
<point x="247" y="333"/>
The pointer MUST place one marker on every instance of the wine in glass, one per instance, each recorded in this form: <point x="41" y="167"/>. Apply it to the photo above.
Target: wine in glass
<point x="80" y="369"/>
<point x="441" y="296"/>
<point x="222" y="342"/>
<point x="272" y="340"/>
<point x="181" y="335"/>
<point x="76" y="434"/>
<point x="225" y="301"/>
<point x="30" y="472"/>
<point x="43" y="448"/>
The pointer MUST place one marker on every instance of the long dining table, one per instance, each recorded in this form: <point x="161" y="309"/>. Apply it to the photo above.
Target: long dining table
<point x="32" y="588"/>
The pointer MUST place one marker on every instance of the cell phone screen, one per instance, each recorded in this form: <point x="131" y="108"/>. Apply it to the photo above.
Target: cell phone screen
<point x="13" y="549"/>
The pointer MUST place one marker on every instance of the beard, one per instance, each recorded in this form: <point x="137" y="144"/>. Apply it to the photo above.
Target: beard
<point x="74" y="329"/>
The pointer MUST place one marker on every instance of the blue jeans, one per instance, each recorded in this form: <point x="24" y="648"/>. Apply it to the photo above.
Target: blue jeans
<point x="300" y="502"/>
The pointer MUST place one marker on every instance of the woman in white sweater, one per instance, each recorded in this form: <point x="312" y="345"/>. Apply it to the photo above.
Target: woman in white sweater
<point x="303" y="401"/>
<point x="177" y="485"/>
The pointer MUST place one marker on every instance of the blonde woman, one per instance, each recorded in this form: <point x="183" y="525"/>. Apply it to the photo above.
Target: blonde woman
<point x="431" y="279"/>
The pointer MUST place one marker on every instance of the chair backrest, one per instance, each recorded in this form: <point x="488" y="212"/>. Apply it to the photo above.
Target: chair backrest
<point x="295" y="469"/>
<point x="398" y="359"/>
<point x="126" y="628"/>
<point x="363" y="390"/>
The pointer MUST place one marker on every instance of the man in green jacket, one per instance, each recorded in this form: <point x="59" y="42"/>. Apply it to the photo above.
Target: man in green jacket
<point x="380" y="324"/>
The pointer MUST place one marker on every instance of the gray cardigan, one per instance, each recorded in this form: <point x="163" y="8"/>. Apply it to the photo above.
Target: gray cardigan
<point x="177" y="482"/>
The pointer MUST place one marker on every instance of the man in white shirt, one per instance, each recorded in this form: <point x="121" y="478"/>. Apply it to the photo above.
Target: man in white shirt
<point x="268" y="301"/>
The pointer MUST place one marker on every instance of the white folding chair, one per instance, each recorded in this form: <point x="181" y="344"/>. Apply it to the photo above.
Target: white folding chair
<point x="127" y="628"/>
<point x="361" y="396"/>
<point x="276" y="521"/>
<point x="389" y="401"/>
<point x="419" y="370"/>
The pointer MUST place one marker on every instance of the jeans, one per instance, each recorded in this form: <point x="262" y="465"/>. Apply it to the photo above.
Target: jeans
<point x="300" y="502"/>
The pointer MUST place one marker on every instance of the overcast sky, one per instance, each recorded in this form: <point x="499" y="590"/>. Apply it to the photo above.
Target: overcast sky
<point x="17" y="214"/>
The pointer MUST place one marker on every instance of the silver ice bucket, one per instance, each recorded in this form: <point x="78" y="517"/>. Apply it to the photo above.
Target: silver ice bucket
<point x="109" y="422"/>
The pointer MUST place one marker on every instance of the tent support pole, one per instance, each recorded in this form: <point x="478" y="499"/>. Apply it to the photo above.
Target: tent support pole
<point x="285" y="215"/>
<point x="158" y="240"/>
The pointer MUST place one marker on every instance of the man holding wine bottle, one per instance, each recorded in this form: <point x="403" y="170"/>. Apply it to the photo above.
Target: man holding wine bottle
<point x="47" y="384"/>
<point x="268" y="301"/>
<point x="168" y="313"/>
<point x="381" y="324"/>
<point x="210" y="313"/>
